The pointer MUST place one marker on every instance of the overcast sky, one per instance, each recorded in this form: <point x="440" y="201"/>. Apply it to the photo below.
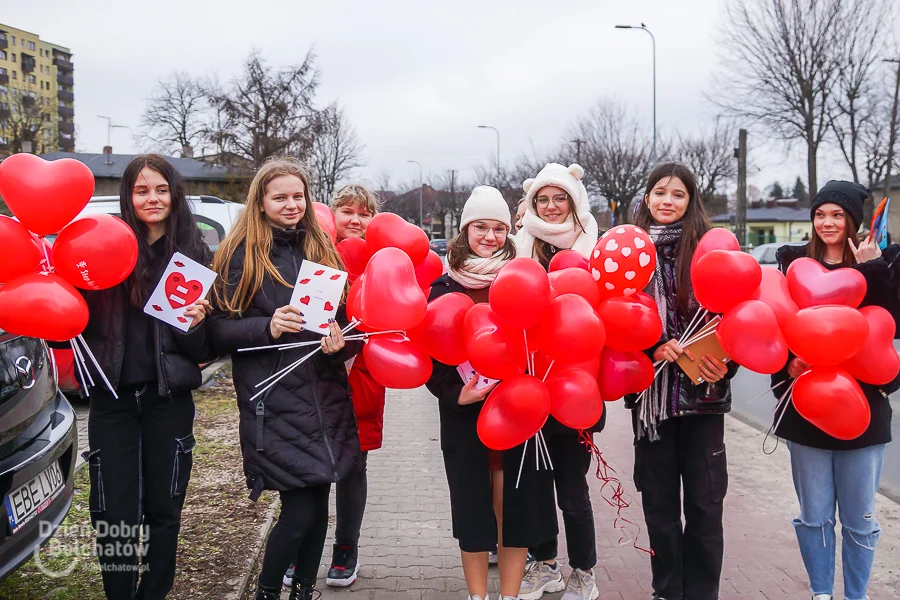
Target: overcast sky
<point x="415" y="77"/>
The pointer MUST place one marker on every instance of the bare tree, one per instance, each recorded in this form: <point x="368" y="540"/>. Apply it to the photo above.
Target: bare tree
<point x="269" y="112"/>
<point x="780" y="64"/>
<point x="710" y="156"/>
<point x="336" y="151"/>
<point x="173" y="118"/>
<point x="616" y="155"/>
<point x="28" y="116"/>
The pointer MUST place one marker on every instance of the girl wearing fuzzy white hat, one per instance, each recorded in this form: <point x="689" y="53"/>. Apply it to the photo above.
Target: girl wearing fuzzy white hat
<point x="558" y="217"/>
<point x="557" y="214"/>
<point x="488" y="510"/>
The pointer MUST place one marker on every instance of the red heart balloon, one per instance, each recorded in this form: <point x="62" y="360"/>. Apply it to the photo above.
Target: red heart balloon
<point x="571" y="332"/>
<point x="396" y="362"/>
<point x="722" y="279"/>
<point x="355" y="302"/>
<point x="45" y="195"/>
<point x="20" y="255"/>
<point x="826" y="335"/>
<point x="494" y="350"/>
<point x="646" y="300"/>
<point x="623" y="373"/>
<point x="429" y="269"/>
<point x="574" y="281"/>
<point x="95" y="252"/>
<point x="773" y="290"/>
<point x="441" y="331"/>
<point x="749" y="334"/>
<point x="811" y="284"/>
<point x="544" y="366"/>
<point x="42" y="306"/>
<point x="574" y="398"/>
<point x="392" y="297"/>
<point x="325" y="217"/>
<point x="630" y="325"/>
<point x="355" y="255"/>
<point x="622" y="261"/>
<point x="830" y="399"/>
<point x="568" y="259"/>
<point x="520" y="293"/>
<point x="717" y="238"/>
<point x="514" y="412"/>
<point x="877" y="362"/>
<point x="387" y="230"/>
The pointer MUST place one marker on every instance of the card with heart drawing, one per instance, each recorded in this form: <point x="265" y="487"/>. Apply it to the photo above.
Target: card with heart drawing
<point x="317" y="293"/>
<point x="183" y="283"/>
<point x="466" y="371"/>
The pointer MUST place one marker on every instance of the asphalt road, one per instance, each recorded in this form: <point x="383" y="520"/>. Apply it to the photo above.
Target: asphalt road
<point x="747" y="385"/>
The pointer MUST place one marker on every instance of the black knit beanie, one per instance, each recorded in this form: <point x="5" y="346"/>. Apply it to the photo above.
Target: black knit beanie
<point x="846" y="194"/>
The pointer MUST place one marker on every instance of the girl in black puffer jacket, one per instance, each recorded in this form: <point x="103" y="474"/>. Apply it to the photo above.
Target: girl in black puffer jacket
<point x="300" y="436"/>
<point x="680" y="427"/>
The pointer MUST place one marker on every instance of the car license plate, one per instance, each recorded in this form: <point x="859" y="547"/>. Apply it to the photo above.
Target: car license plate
<point x="32" y="498"/>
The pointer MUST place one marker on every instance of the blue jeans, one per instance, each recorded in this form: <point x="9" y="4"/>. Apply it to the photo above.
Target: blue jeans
<point x="848" y="478"/>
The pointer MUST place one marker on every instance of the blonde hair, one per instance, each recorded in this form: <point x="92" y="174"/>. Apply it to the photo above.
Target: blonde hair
<point x="252" y="231"/>
<point x="356" y="195"/>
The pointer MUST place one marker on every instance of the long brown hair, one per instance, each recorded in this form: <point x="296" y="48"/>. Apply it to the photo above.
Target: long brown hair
<point x="253" y="232"/>
<point x="695" y="222"/>
<point x="543" y="250"/>
<point x="817" y="249"/>
<point x="458" y="249"/>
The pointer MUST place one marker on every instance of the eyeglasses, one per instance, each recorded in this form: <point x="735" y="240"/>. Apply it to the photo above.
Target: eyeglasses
<point x="482" y="230"/>
<point x="558" y="200"/>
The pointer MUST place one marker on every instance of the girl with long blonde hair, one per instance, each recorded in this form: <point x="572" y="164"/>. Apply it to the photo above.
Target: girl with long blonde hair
<point x="300" y="436"/>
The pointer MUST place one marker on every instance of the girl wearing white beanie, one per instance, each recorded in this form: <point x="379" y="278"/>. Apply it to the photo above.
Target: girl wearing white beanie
<point x="557" y="215"/>
<point x="488" y="510"/>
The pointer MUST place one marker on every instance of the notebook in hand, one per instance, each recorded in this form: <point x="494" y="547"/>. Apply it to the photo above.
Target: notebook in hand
<point x="704" y="344"/>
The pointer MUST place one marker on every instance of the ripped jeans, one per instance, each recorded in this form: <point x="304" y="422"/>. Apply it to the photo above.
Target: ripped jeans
<point x="848" y="479"/>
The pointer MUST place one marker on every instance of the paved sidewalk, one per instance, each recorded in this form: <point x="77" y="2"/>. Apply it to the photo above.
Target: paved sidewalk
<point x="407" y="551"/>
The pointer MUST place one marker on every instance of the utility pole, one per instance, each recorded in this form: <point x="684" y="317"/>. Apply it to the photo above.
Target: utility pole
<point x="452" y="195"/>
<point x="740" y="212"/>
<point x="892" y="141"/>
<point x="578" y="144"/>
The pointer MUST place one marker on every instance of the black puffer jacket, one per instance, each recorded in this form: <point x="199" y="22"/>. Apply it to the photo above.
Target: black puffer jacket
<point x="177" y="353"/>
<point x="306" y="421"/>
<point x="684" y="397"/>
<point x="882" y="289"/>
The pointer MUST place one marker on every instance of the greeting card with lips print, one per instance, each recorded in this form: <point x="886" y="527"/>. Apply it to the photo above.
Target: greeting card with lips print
<point x="183" y="283"/>
<point x="317" y="294"/>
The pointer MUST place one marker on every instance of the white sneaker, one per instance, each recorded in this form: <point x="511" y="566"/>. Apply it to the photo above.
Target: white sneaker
<point x="822" y="597"/>
<point x="540" y="578"/>
<point x="581" y="586"/>
<point x="477" y="597"/>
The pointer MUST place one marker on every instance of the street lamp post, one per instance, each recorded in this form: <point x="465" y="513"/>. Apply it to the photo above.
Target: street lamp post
<point x="421" y="184"/>
<point x="644" y="28"/>
<point x="109" y="128"/>
<point x="498" y="148"/>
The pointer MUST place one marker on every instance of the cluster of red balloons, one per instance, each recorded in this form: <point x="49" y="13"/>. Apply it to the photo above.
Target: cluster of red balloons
<point x="37" y="297"/>
<point x="812" y="312"/>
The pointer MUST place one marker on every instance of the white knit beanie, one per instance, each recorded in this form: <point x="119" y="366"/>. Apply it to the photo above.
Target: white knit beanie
<point x="567" y="178"/>
<point x="485" y="203"/>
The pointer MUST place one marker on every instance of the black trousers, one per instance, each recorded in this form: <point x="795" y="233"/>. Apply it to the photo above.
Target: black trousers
<point x="298" y="536"/>
<point x="687" y="563"/>
<point x="571" y="463"/>
<point x="350" y="495"/>
<point x="139" y="462"/>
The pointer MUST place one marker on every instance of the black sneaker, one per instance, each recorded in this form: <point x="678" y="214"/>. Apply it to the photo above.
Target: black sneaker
<point x="344" y="567"/>
<point x="288" y="575"/>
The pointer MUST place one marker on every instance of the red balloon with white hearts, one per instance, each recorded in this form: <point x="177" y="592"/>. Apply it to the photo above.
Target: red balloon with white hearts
<point x="622" y="261"/>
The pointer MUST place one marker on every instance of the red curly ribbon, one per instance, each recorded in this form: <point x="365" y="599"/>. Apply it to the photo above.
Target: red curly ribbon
<point x="617" y="498"/>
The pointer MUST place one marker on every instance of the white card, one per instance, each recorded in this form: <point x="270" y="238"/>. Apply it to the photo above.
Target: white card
<point x="467" y="373"/>
<point x="317" y="294"/>
<point x="183" y="283"/>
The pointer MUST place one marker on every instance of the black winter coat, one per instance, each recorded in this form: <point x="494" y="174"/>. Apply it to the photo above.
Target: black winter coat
<point x="882" y="289"/>
<point x="684" y="397"/>
<point x="529" y="512"/>
<point x="177" y="353"/>
<point x="302" y="432"/>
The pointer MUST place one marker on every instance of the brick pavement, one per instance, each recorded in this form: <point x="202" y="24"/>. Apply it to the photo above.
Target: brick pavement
<point x="407" y="551"/>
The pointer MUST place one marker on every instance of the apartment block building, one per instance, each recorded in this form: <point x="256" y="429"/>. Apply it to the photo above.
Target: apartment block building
<point x="36" y="94"/>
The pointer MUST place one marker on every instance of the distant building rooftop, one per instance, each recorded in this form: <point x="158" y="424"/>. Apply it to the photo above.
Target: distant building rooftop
<point x="779" y="213"/>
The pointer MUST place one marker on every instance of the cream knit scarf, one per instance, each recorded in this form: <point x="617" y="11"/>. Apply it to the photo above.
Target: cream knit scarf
<point x="478" y="273"/>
